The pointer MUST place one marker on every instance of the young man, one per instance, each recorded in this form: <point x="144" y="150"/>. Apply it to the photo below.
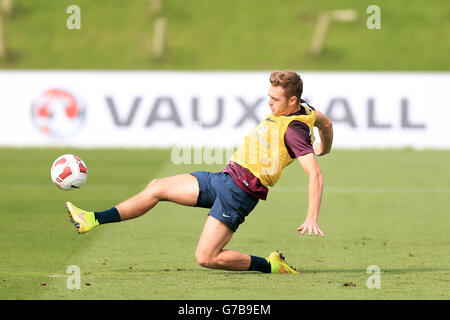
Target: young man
<point x="284" y="135"/>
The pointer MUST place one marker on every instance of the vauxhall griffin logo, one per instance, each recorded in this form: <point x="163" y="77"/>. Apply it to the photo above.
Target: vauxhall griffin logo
<point x="58" y="113"/>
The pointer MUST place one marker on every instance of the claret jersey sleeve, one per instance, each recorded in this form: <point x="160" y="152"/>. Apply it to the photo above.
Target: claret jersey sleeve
<point x="298" y="139"/>
<point x="298" y="136"/>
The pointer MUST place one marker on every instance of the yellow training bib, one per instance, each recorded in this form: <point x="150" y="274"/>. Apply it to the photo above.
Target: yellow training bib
<point x="264" y="152"/>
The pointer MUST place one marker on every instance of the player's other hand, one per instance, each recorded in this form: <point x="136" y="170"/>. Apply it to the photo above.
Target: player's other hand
<point x="310" y="226"/>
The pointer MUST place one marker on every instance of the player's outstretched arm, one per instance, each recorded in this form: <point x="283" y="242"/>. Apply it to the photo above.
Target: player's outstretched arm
<point x="315" y="186"/>
<point x="325" y="127"/>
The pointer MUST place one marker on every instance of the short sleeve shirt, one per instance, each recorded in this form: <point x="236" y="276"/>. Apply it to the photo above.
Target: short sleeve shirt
<point x="298" y="143"/>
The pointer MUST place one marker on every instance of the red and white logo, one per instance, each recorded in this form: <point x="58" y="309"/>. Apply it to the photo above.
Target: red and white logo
<point x="58" y="113"/>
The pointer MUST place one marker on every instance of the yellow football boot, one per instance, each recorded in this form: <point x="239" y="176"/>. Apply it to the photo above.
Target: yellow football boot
<point x="83" y="220"/>
<point x="279" y="265"/>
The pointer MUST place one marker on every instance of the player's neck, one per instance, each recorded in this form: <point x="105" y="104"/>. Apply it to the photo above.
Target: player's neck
<point x="289" y="111"/>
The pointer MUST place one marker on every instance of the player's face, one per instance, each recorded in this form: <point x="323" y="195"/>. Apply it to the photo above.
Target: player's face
<point x="277" y="100"/>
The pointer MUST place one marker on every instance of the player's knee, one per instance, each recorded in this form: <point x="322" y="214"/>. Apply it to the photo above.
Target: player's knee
<point x="155" y="188"/>
<point x="204" y="260"/>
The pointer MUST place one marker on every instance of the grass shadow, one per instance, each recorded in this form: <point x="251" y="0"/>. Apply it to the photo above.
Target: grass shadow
<point x="393" y="271"/>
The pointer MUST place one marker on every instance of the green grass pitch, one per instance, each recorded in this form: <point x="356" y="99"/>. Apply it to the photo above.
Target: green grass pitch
<point x="227" y="35"/>
<point x="386" y="208"/>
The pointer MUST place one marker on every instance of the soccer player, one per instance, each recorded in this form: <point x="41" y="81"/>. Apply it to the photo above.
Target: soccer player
<point x="285" y="135"/>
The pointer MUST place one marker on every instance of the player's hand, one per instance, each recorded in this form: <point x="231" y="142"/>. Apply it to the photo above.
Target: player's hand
<point x="310" y="226"/>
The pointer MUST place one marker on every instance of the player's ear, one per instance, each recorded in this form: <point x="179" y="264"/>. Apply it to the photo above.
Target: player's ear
<point x="293" y="100"/>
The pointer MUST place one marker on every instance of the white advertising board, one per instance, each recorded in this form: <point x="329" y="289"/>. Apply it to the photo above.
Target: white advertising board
<point x="163" y="109"/>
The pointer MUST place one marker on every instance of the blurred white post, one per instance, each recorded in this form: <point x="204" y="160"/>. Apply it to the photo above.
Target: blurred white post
<point x="7" y="6"/>
<point x="344" y="15"/>
<point x="318" y="41"/>
<point x="2" y="35"/>
<point x="159" y="37"/>
<point x="323" y="24"/>
<point x="159" y="29"/>
<point x="155" y="7"/>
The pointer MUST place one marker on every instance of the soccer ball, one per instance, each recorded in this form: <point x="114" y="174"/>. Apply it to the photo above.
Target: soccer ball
<point x="69" y="172"/>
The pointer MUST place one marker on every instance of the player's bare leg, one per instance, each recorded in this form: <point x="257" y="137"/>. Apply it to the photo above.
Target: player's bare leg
<point x="182" y="189"/>
<point x="210" y="252"/>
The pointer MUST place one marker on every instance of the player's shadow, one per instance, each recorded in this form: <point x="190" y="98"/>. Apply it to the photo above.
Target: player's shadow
<point x="302" y="271"/>
<point x="157" y="270"/>
<point x="392" y="271"/>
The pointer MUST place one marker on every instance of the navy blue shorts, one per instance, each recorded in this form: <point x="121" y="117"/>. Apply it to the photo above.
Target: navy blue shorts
<point x="228" y="203"/>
